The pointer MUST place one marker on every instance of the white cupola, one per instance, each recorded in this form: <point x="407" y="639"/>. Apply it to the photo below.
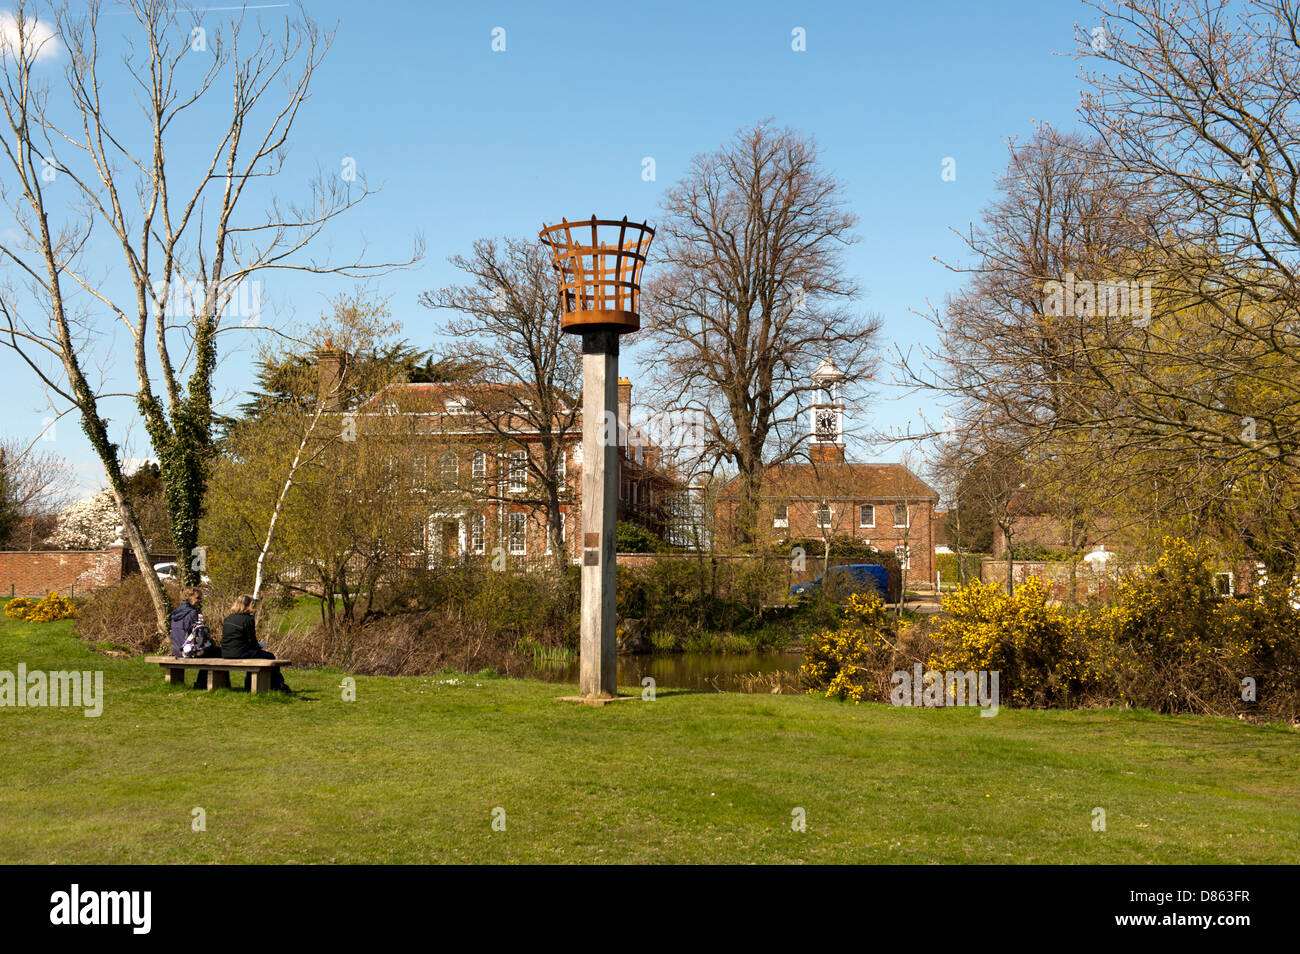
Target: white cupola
<point x="826" y="411"/>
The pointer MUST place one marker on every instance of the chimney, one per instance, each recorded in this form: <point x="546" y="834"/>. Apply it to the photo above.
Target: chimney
<point x="624" y="408"/>
<point x="331" y="364"/>
<point x="826" y="453"/>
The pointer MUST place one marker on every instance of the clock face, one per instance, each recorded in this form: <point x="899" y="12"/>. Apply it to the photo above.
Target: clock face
<point x="826" y="425"/>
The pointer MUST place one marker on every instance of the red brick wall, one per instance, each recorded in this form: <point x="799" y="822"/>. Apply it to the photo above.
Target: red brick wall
<point x="36" y="573"/>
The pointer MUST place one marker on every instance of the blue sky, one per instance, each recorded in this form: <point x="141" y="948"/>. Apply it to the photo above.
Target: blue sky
<point x="469" y="142"/>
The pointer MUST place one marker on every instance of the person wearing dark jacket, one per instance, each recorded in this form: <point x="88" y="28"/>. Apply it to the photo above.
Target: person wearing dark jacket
<point x="183" y="619"/>
<point x="239" y="638"/>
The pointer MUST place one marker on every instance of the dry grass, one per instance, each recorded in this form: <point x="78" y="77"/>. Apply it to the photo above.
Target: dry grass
<point x="121" y="618"/>
<point x="406" y="644"/>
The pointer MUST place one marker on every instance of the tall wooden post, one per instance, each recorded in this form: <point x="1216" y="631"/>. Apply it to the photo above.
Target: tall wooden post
<point x="599" y="664"/>
<point x="599" y="285"/>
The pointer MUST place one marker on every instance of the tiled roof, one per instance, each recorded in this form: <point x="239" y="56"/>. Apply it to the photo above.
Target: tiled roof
<point x="836" y="480"/>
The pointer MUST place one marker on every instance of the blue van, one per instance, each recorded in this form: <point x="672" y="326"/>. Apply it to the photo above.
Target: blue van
<point x="848" y="578"/>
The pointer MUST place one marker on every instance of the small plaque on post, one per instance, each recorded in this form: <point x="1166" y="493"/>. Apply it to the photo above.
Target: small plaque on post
<point x="591" y="541"/>
<point x="591" y="558"/>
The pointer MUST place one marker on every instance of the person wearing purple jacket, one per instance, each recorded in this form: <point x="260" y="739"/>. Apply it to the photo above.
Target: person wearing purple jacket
<point x="183" y="620"/>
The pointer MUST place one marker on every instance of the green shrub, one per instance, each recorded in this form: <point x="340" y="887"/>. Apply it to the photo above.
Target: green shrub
<point x="1040" y="552"/>
<point x="946" y="565"/>
<point x="630" y="538"/>
<point x="843" y="550"/>
<point x="465" y="616"/>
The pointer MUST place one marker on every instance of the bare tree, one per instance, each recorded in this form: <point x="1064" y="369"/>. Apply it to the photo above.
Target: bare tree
<point x="33" y="484"/>
<point x="1044" y="352"/>
<point x="995" y="471"/>
<point x="190" y="254"/>
<point x="749" y="295"/>
<point x="1005" y="361"/>
<point x="903" y="490"/>
<point x="507" y="325"/>
<point x="964" y="523"/>
<point x="1198" y="102"/>
<point x="832" y="488"/>
<point x="1008" y="365"/>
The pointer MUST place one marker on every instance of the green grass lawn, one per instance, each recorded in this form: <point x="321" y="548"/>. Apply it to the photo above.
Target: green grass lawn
<point x="413" y="769"/>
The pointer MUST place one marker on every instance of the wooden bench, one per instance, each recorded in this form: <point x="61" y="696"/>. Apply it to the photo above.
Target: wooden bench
<point x="259" y="671"/>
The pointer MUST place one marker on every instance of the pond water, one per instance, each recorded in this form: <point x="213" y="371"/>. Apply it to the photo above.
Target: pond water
<point x="710" y="672"/>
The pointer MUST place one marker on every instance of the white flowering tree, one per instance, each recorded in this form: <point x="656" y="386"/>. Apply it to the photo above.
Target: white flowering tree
<point x="90" y="524"/>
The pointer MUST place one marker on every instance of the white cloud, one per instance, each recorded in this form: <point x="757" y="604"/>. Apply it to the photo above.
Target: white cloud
<point x="39" y="38"/>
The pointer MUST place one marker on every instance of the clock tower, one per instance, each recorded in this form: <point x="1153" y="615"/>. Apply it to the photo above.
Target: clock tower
<point x="826" y="413"/>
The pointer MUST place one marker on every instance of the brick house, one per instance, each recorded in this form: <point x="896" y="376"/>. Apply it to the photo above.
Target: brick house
<point x="476" y="448"/>
<point x="883" y="505"/>
<point x="1036" y="522"/>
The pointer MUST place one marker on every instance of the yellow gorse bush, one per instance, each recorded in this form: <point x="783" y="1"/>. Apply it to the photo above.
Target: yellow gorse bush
<point x="1171" y="643"/>
<point x="53" y="607"/>
<point x="837" y="660"/>
<point x="19" y="607"/>
<point x="1166" y="641"/>
<point x="1040" y="651"/>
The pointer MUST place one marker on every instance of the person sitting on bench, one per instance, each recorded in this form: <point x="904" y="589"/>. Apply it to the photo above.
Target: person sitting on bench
<point x="189" y="633"/>
<point x="239" y="638"/>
